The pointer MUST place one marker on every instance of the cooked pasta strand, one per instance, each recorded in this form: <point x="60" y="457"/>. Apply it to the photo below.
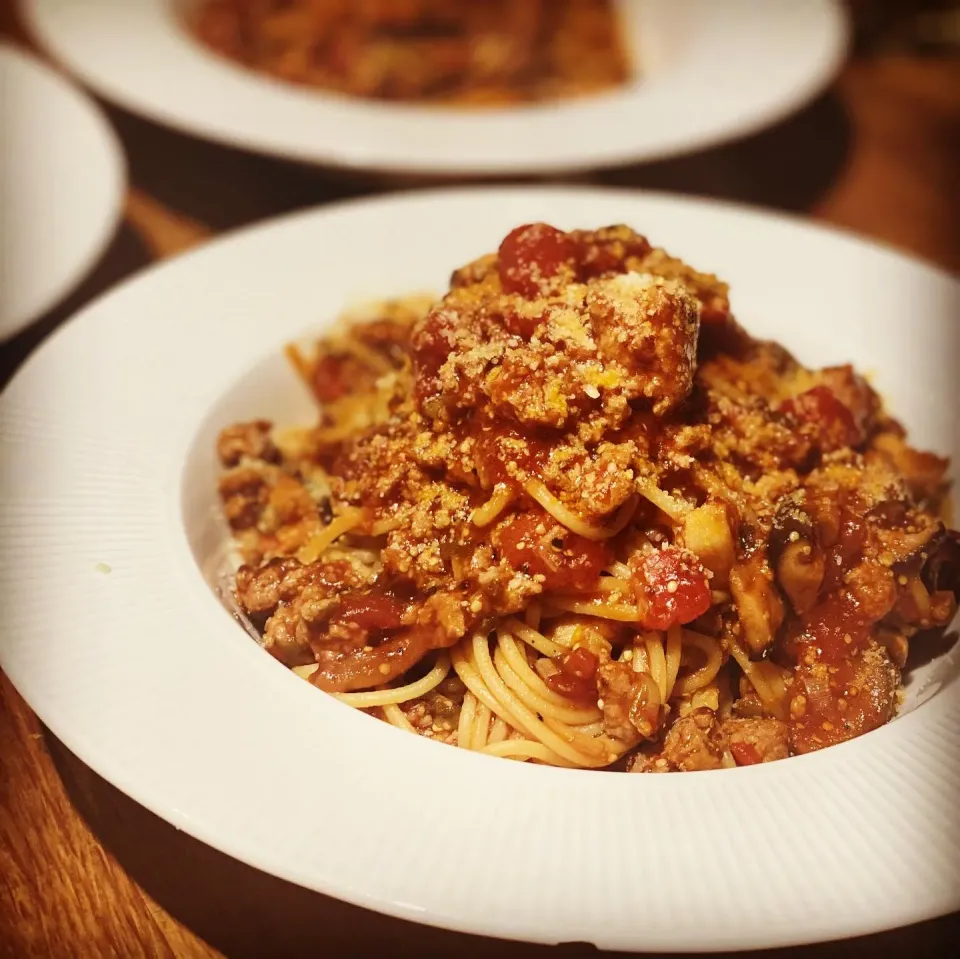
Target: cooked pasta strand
<point x="532" y="637"/>
<point x="465" y="727"/>
<point x="658" y="664"/>
<point x="474" y="682"/>
<point x="526" y="719"/>
<point x="526" y="749"/>
<point x="481" y="726"/>
<point x="499" y="731"/>
<point x="538" y="704"/>
<point x="400" y="694"/>
<point x="666" y="503"/>
<point x="394" y="715"/>
<point x="518" y="661"/>
<point x="346" y="521"/>
<point x="708" y="671"/>
<point x="621" y="612"/>
<point x="568" y="518"/>
<point x="484" y="515"/>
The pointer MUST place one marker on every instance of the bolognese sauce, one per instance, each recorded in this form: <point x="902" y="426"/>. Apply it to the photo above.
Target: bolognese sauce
<point x="572" y="513"/>
<point x="462" y="52"/>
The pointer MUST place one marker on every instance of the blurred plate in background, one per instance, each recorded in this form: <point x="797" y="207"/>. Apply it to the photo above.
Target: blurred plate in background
<point x="707" y="72"/>
<point x="61" y="188"/>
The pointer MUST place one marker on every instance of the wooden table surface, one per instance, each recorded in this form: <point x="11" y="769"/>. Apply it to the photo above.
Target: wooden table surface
<point x="85" y="871"/>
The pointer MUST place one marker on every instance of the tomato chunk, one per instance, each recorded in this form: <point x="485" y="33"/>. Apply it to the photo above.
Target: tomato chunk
<point x="566" y="561"/>
<point x="496" y="446"/>
<point x="531" y="255"/>
<point x="606" y="250"/>
<point x="831" y="632"/>
<point x="372" y="611"/>
<point x="745" y="754"/>
<point x="522" y="322"/>
<point x="671" y="587"/>
<point x="834" y="421"/>
<point x="432" y="343"/>
<point x="331" y="378"/>
<point x="576" y="679"/>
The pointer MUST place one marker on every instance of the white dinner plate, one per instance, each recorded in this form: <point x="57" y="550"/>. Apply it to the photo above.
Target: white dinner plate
<point x="110" y="532"/>
<point x="62" y="178"/>
<point x="710" y="71"/>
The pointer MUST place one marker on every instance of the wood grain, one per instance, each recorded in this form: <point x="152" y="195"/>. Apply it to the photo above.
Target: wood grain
<point x="165" y="232"/>
<point x="84" y="871"/>
<point x="63" y="893"/>
<point x="900" y="184"/>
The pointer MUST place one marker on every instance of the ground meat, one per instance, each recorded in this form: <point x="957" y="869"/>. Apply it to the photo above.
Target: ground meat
<point x="698" y="741"/>
<point x="925" y="474"/>
<point x="379" y="466"/>
<point x="247" y="441"/>
<point x="351" y="658"/>
<point x="595" y="483"/>
<point x="750" y="369"/>
<point x="856" y="395"/>
<point x="579" y="422"/>
<point x="261" y="589"/>
<point x="610" y="250"/>
<point x="270" y="510"/>
<point x="290" y="599"/>
<point x="711" y="292"/>
<point x="645" y="762"/>
<point x="752" y="741"/>
<point x="389" y="333"/>
<point x="650" y="326"/>
<point x="631" y="707"/>
<point x="754" y="438"/>
<point x="286" y="635"/>
<point x="245" y="493"/>
<point x="691" y="743"/>
<point x="543" y="354"/>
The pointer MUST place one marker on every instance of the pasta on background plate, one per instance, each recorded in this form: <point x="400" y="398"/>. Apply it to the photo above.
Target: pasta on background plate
<point x="572" y="513"/>
<point x="455" y="52"/>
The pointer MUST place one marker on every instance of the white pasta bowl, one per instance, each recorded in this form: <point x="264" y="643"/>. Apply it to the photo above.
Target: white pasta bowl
<point x="62" y="182"/>
<point x="708" y="72"/>
<point x="110" y="536"/>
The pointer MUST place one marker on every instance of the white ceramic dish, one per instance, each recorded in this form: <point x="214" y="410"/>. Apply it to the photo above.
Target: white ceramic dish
<point x="62" y="178"/>
<point x="108" y="459"/>
<point x="712" y="72"/>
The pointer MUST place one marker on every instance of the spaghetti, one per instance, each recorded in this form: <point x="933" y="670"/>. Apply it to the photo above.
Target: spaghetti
<point x="464" y="52"/>
<point x="718" y="559"/>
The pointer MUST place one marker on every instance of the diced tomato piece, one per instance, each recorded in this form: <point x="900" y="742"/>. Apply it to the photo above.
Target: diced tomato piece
<point x="576" y="679"/>
<point x="581" y="663"/>
<point x="433" y="342"/>
<point x="671" y="587"/>
<point x="533" y="254"/>
<point x="745" y="754"/>
<point x="373" y="610"/>
<point x="606" y="250"/>
<point x="331" y="378"/>
<point x="568" y="563"/>
<point x="496" y="446"/>
<point x="522" y="323"/>
<point x="835" y="629"/>
<point x="834" y="421"/>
